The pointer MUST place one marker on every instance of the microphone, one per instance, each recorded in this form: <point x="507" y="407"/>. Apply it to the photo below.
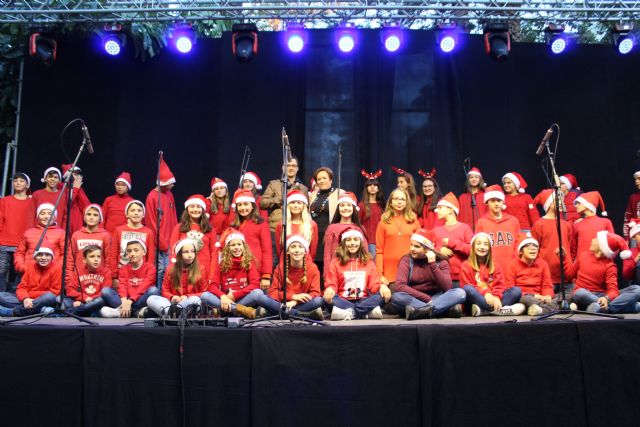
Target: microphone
<point x="87" y="138"/>
<point x="287" y="147"/>
<point x="544" y="142"/>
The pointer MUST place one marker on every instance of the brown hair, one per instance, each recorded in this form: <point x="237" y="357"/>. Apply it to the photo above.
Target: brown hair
<point x="194" y="275"/>
<point x="254" y="216"/>
<point x="409" y="214"/>
<point x="245" y="263"/>
<point x="342" y="253"/>
<point x="365" y="197"/>
<point x="323" y="169"/>
<point x="203" y="222"/>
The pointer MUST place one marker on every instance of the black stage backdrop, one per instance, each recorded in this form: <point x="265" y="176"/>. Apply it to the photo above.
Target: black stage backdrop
<point x="417" y="109"/>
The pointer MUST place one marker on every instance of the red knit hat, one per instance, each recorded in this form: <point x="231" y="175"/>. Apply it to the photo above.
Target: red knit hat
<point x="517" y="180"/>
<point x="544" y="198"/>
<point x="349" y="197"/>
<point x="493" y="192"/>
<point x="424" y="237"/>
<point x="300" y="239"/>
<point x="570" y="181"/>
<point x="94" y="206"/>
<point x="124" y="177"/>
<point x="196" y="199"/>
<point x="242" y="196"/>
<point x="351" y="232"/>
<point x="253" y="177"/>
<point x="526" y="239"/>
<point x="217" y="182"/>
<point x="166" y="176"/>
<point x="67" y="167"/>
<point x="135" y="202"/>
<point x="612" y="244"/>
<point x="634" y="227"/>
<point x="451" y="201"/>
<point x="297" y="196"/>
<point x="474" y="171"/>
<point x="591" y="200"/>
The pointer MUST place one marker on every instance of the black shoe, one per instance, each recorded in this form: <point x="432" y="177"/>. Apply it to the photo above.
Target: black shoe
<point x="174" y="311"/>
<point x="412" y="313"/>
<point x="455" y="311"/>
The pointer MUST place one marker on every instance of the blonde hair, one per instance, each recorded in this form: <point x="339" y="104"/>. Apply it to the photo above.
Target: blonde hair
<point x="408" y="213"/>
<point x="245" y="263"/>
<point x="473" y="258"/>
<point x="305" y="227"/>
<point x="342" y="253"/>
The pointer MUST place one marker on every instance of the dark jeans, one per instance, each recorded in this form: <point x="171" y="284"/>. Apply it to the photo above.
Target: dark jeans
<point x="273" y="306"/>
<point x="84" y="309"/>
<point x="509" y="297"/>
<point x="528" y="300"/>
<point x="441" y="302"/>
<point x="362" y="306"/>
<point x="113" y="300"/>
<point x="9" y="300"/>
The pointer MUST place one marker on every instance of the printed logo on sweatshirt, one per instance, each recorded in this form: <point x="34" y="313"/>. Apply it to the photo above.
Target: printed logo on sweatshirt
<point x="134" y="282"/>
<point x="502" y="238"/>
<point x="83" y="243"/>
<point x="125" y="238"/>
<point x="89" y="281"/>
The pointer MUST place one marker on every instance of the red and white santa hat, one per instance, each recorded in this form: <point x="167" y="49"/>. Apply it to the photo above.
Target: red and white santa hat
<point x="351" y="232"/>
<point x="228" y="235"/>
<point x="591" y="200"/>
<point x="570" y="181"/>
<point x="493" y="192"/>
<point x="300" y="239"/>
<point x="67" y="167"/>
<point x="50" y="169"/>
<point x="425" y="237"/>
<point x="526" y="239"/>
<point x="166" y="176"/>
<point x="124" y="177"/>
<point x="196" y="199"/>
<point x="44" y="249"/>
<point x="634" y="227"/>
<point x="23" y="176"/>
<point x="242" y="196"/>
<point x="217" y="182"/>
<point x="96" y="207"/>
<point x="474" y="171"/>
<point x="312" y="183"/>
<point x="544" y="198"/>
<point x="136" y="202"/>
<point x="44" y="206"/>
<point x="481" y="234"/>
<point x="451" y="201"/>
<point x="181" y="243"/>
<point x="517" y="180"/>
<point x="297" y="196"/>
<point x="253" y="177"/>
<point x="140" y="242"/>
<point x="636" y="174"/>
<point x="611" y="244"/>
<point x="349" y="197"/>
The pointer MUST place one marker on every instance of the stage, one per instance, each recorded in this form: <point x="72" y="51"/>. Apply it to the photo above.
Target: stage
<point x="449" y="372"/>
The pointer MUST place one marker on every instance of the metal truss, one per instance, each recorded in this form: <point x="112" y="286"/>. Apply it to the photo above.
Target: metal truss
<point x="413" y="14"/>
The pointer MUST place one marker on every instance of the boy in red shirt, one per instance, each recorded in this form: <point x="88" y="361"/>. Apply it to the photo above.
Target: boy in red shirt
<point x="585" y="229"/>
<point x="517" y="202"/>
<point x="84" y="289"/>
<point x="114" y="206"/>
<point x="49" y="194"/>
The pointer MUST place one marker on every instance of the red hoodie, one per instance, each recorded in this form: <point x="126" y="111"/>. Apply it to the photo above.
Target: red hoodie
<point x="295" y="286"/>
<point x="16" y="217"/>
<point x="521" y="206"/>
<point x="133" y="283"/>
<point x="37" y="280"/>
<point x="186" y="288"/>
<point x="481" y="280"/>
<point x="338" y="274"/>
<point x="24" y="254"/>
<point x="83" y="238"/>
<point x="124" y="234"/>
<point x="504" y="235"/>
<point x="169" y="216"/>
<point x="113" y="210"/>
<point x="86" y="283"/>
<point x="237" y="279"/>
<point x="531" y="279"/>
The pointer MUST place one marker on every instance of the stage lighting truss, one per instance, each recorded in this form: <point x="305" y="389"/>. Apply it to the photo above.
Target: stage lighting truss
<point x="295" y="37"/>
<point x="244" y="41"/>
<point x="623" y="37"/>
<point x="497" y="40"/>
<point x="113" y="39"/>
<point x="447" y="36"/>
<point x="182" y="37"/>
<point x="43" y="49"/>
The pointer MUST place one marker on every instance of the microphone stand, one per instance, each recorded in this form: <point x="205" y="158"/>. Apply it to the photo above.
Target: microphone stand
<point x="67" y="184"/>
<point x="245" y="164"/>
<point x="158" y="219"/>
<point x="564" y="304"/>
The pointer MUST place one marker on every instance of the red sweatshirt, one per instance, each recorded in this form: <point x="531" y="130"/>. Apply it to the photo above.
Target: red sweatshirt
<point x="632" y="211"/>
<point x="295" y="229"/>
<point x="572" y="213"/>
<point x="124" y="234"/>
<point x="220" y="220"/>
<point x="186" y="288"/>
<point x="86" y="283"/>
<point x="43" y="196"/>
<point x="83" y="238"/>
<point x="258" y="238"/>
<point x="429" y="218"/>
<point x="426" y="279"/>
<point x="133" y="283"/>
<point x="24" y="254"/>
<point x="169" y="216"/>
<point x="237" y="279"/>
<point x="370" y="224"/>
<point x="585" y="230"/>
<point x="595" y="274"/>
<point x="363" y="280"/>
<point x="521" y="206"/>
<point x="545" y="232"/>
<point x="468" y="213"/>
<point x="531" y="279"/>
<point x="79" y="203"/>
<point x="459" y="236"/>
<point x="113" y="210"/>
<point x="482" y="281"/>
<point x="294" y="286"/>
<point x="37" y="280"/>
<point x="208" y="245"/>
<point x="504" y="235"/>
<point x="332" y="241"/>
<point x="16" y="217"/>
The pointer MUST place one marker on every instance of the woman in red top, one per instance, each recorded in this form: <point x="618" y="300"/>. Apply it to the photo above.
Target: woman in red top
<point x="220" y="212"/>
<point x="303" y="283"/>
<point x="472" y="206"/>
<point x="428" y="217"/>
<point x="371" y="207"/>
<point x="517" y="202"/>
<point x="353" y="285"/>
<point x="408" y="185"/>
<point x="483" y="281"/>
<point x="298" y="222"/>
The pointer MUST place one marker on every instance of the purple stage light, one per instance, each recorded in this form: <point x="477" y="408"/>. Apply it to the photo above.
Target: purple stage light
<point x="295" y="42"/>
<point x="447" y="44"/>
<point x="184" y="44"/>
<point x="346" y="43"/>
<point x="558" y="45"/>
<point x="111" y="46"/>
<point x="392" y="43"/>
<point x="625" y="46"/>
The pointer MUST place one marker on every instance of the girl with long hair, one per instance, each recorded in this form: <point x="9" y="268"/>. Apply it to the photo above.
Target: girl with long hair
<point x="299" y="222"/>
<point x="407" y="183"/>
<point x="517" y="202"/>
<point x="472" y="205"/>
<point x="371" y="206"/>
<point x="428" y="217"/>
<point x="220" y="212"/>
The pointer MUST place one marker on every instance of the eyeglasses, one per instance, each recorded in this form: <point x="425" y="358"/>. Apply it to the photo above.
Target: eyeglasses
<point x="399" y="199"/>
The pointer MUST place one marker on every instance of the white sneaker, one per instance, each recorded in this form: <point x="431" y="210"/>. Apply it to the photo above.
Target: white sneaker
<point x="376" y="313"/>
<point x="476" y="310"/>
<point x="510" y="310"/>
<point x="261" y="312"/>
<point x="534" y="310"/>
<point x="573" y="306"/>
<point x="109" y="312"/>
<point x="47" y="310"/>
<point x="342" y="314"/>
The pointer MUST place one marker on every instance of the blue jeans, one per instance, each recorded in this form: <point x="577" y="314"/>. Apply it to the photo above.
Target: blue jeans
<point x="441" y="302"/>
<point x="84" y="309"/>
<point x="113" y="300"/>
<point x="623" y="303"/>
<point x="273" y="306"/>
<point x="9" y="300"/>
<point x="372" y="250"/>
<point x="509" y="297"/>
<point x="249" y="300"/>
<point x="6" y="268"/>
<point x="362" y="306"/>
<point x="163" y="260"/>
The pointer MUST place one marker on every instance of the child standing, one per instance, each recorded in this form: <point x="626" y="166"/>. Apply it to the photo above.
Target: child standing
<point x="407" y="184"/>
<point x="299" y="222"/>
<point x="79" y="199"/>
<point x="586" y="229"/>
<point x="114" y="206"/>
<point x="472" y="206"/>
<point x="84" y="289"/>
<point x="54" y="239"/>
<point x="517" y="202"/>
<point x="252" y="182"/>
<point x="570" y="189"/>
<point x="92" y="234"/>
<point x="428" y="201"/>
<point x="221" y="214"/>
<point x="371" y="207"/>
<point x="49" y="194"/>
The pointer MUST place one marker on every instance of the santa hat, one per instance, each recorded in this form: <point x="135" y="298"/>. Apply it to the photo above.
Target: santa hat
<point x="23" y="176"/>
<point x="297" y="196"/>
<point x="166" y="176"/>
<point x="140" y="242"/>
<point x="451" y="201"/>
<point x="424" y="237"/>
<point x="43" y="250"/>
<point x="351" y="232"/>
<point x="493" y="192"/>
<point x="217" y="182"/>
<point x="67" y="167"/>
<point x="474" y="171"/>
<point x="251" y="176"/>
<point x="228" y="235"/>
<point x="636" y="174"/>
<point x="612" y="244"/>
<point x="124" y="177"/>
<point x="298" y="238"/>
<point x="517" y="179"/>
<point x="570" y="181"/>
<point x="591" y="200"/>
<point x="242" y="196"/>
<point x="44" y="206"/>
<point x="349" y="197"/>
<point x="634" y="228"/>
<point x="480" y="234"/>
<point x="94" y="206"/>
<point x="196" y="199"/>
<point x="525" y="240"/>
<point x="48" y="170"/>
<point x="312" y="183"/>
<point x="181" y="243"/>
<point x="544" y="198"/>
<point x="136" y="202"/>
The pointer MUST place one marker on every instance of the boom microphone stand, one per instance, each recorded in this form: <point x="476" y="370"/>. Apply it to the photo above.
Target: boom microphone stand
<point x="158" y="219"/>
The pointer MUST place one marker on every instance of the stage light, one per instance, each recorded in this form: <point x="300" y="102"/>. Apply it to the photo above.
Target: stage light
<point x="623" y="38"/>
<point x="295" y="37"/>
<point x="447" y="36"/>
<point x="244" y="41"/>
<point x="182" y="37"/>
<point x="43" y="48"/>
<point x="497" y="40"/>
<point x="556" y="38"/>
<point x="346" y="39"/>
<point x="392" y="38"/>
<point x="112" y="39"/>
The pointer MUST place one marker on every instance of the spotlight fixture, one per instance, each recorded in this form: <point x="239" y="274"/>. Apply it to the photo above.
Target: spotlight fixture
<point x="182" y="37"/>
<point x="43" y="48"/>
<point x="244" y="41"/>
<point x="113" y="39"/>
<point x="623" y="37"/>
<point x="556" y="38"/>
<point x="497" y="40"/>
<point x="447" y="36"/>
<point x="295" y="37"/>
<point x="392" y="38"/>
<point x="346" y="39"/>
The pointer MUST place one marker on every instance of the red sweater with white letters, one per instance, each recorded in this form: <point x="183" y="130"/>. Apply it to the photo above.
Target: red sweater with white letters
<point x="87" y="283"/>
<point x="504" y="235"/>
<point x="240" y="281"/>
<point x="124" y="234"/>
